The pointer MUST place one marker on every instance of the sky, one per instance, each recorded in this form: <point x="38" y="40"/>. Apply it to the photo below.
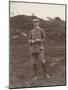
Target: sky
<point x="39" y="10"/>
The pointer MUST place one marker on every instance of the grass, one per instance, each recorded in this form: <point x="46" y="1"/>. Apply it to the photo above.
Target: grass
<point x="21" y="67"/>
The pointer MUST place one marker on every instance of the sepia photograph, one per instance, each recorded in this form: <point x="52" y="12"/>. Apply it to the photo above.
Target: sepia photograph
<point x="37" y="34"/>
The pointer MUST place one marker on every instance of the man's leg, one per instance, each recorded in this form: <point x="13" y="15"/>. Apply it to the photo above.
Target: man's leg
<point x="34" y="63"/>
<point x="43" y="61"/>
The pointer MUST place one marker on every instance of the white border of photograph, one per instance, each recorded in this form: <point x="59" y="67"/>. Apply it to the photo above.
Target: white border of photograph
<point x="4" y="44"/>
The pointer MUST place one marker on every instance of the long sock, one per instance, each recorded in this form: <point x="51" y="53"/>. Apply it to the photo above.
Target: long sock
<point x="44" y="69"/>
<point x="35" y="69"/>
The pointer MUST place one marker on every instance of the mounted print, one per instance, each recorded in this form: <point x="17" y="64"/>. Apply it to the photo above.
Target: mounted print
<point x="37" y="44"/>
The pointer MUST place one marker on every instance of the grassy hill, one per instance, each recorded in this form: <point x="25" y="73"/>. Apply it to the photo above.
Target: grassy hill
<point x="54" y="28"/>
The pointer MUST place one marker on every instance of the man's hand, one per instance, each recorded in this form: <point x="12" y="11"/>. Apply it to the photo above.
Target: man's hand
<point x="34" y="41"/>
<point x="31" y="41"/>
<point x="38" y="40"/>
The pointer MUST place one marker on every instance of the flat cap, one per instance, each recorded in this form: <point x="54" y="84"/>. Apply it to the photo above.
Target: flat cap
<point x="36" y="20"/>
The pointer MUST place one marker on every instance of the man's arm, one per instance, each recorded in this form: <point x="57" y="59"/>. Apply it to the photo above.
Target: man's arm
<point x="43" y="35"/>
<point x="30" y="39"/>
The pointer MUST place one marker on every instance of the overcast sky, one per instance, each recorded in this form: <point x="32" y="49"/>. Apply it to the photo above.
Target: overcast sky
<point x="40" y="10"/>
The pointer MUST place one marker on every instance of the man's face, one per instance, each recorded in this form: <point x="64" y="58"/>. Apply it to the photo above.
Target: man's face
<point x="36" y="24"/>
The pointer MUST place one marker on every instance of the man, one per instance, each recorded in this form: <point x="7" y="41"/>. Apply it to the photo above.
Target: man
<point x="36" y="41"/>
